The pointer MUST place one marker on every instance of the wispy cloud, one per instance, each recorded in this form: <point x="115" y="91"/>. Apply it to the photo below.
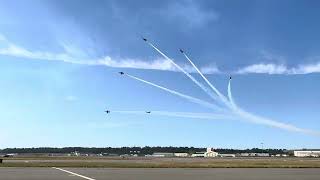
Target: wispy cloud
<point x="211" y="69"/>
<point x="158" y="64"/>
<point x="306" y="69"/>
<point x="271" y="68"/>
<point x="75" y="56"/>
<point x="263" y="69"/>
<point x="271" y="63"/>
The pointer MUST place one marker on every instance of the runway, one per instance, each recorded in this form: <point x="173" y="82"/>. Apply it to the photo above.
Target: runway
<point x="159" y="173"/>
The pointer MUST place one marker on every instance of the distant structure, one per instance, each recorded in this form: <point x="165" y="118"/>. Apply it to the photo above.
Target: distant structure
<point x="181" y="154"/>
<point x="226" y="155"/>
<point x="75" y="153"/>
<point x="254" y="155"/>
<point x="198" y="154"/>
<point x="306" y="153"/>
<point x="208" y="153"/>
<point x="281" y="155"/>
<point x="162" y="154"/>
<point x="10" y="155"/>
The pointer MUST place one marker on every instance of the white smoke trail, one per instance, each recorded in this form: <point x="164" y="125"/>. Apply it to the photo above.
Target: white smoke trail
<point x="235" y="110"/>
<point x="269" y="122"/>
<point x="221" y="96"/>
<point x="128" y="112"/>
<point x="212" y="116"/>
<point x="206" y="90"/>
<point x="190" y="98"/>
<point x="233" y="104"/>
<point x="209" y="116"/>
<point x="248" y="116"/>
<point x="265" y="121"/>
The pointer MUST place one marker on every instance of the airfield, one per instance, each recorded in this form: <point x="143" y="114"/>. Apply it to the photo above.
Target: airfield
<point x="14" y="173"/>
<point x="152" y="162"/>
<point x="123" y="168"/>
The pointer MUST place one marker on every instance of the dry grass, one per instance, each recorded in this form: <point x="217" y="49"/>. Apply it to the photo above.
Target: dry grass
<point x="97" y="162"/>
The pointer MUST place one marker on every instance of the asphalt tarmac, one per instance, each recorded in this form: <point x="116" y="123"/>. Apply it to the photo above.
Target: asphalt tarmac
<point x="158" y="173"/>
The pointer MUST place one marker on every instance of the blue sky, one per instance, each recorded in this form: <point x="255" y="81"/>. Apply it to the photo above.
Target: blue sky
<point x="59" y="63"/>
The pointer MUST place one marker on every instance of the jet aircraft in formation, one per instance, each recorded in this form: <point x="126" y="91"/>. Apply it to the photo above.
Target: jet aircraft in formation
<point x="122" y="73"/>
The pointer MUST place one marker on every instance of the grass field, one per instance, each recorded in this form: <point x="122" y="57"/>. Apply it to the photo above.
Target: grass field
<point x="103" y="162"/>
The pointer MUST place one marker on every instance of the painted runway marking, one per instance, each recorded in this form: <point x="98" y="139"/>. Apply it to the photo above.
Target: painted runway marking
<point x="72" y="173"/>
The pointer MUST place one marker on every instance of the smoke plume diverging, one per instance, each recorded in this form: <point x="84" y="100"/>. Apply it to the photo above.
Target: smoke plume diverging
<point x="249" y="117"/>
<point x="230" y="111"/>
<point x="189" y="98"/>
<point x="205" y="89"/>
<point x="221" y="96"/>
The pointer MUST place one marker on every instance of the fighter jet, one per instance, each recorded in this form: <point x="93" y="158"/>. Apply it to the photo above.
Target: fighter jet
<point x="230" y="78"/>
<point x="148" y="112"/>
<point x="181" y="50"/>
<point x="144" y="39"/>
<point x="107" y="111"/>
<point x="122" y="73"/>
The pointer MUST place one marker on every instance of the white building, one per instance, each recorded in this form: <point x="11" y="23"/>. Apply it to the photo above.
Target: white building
<point x="181" y="154"/>
<point x="198" y="154"/>
<point x="208" y="153"/>
<point x="226" y="155"/>
<point x="281" y="155"/>
<point x="162" y="154"/>
<point x="244" y="154"/>
<point x="307" y="153"/>
<point x="262" y="154"/>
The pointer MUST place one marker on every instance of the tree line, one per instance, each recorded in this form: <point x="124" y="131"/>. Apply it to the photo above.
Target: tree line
<point x="134" y="150"/>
